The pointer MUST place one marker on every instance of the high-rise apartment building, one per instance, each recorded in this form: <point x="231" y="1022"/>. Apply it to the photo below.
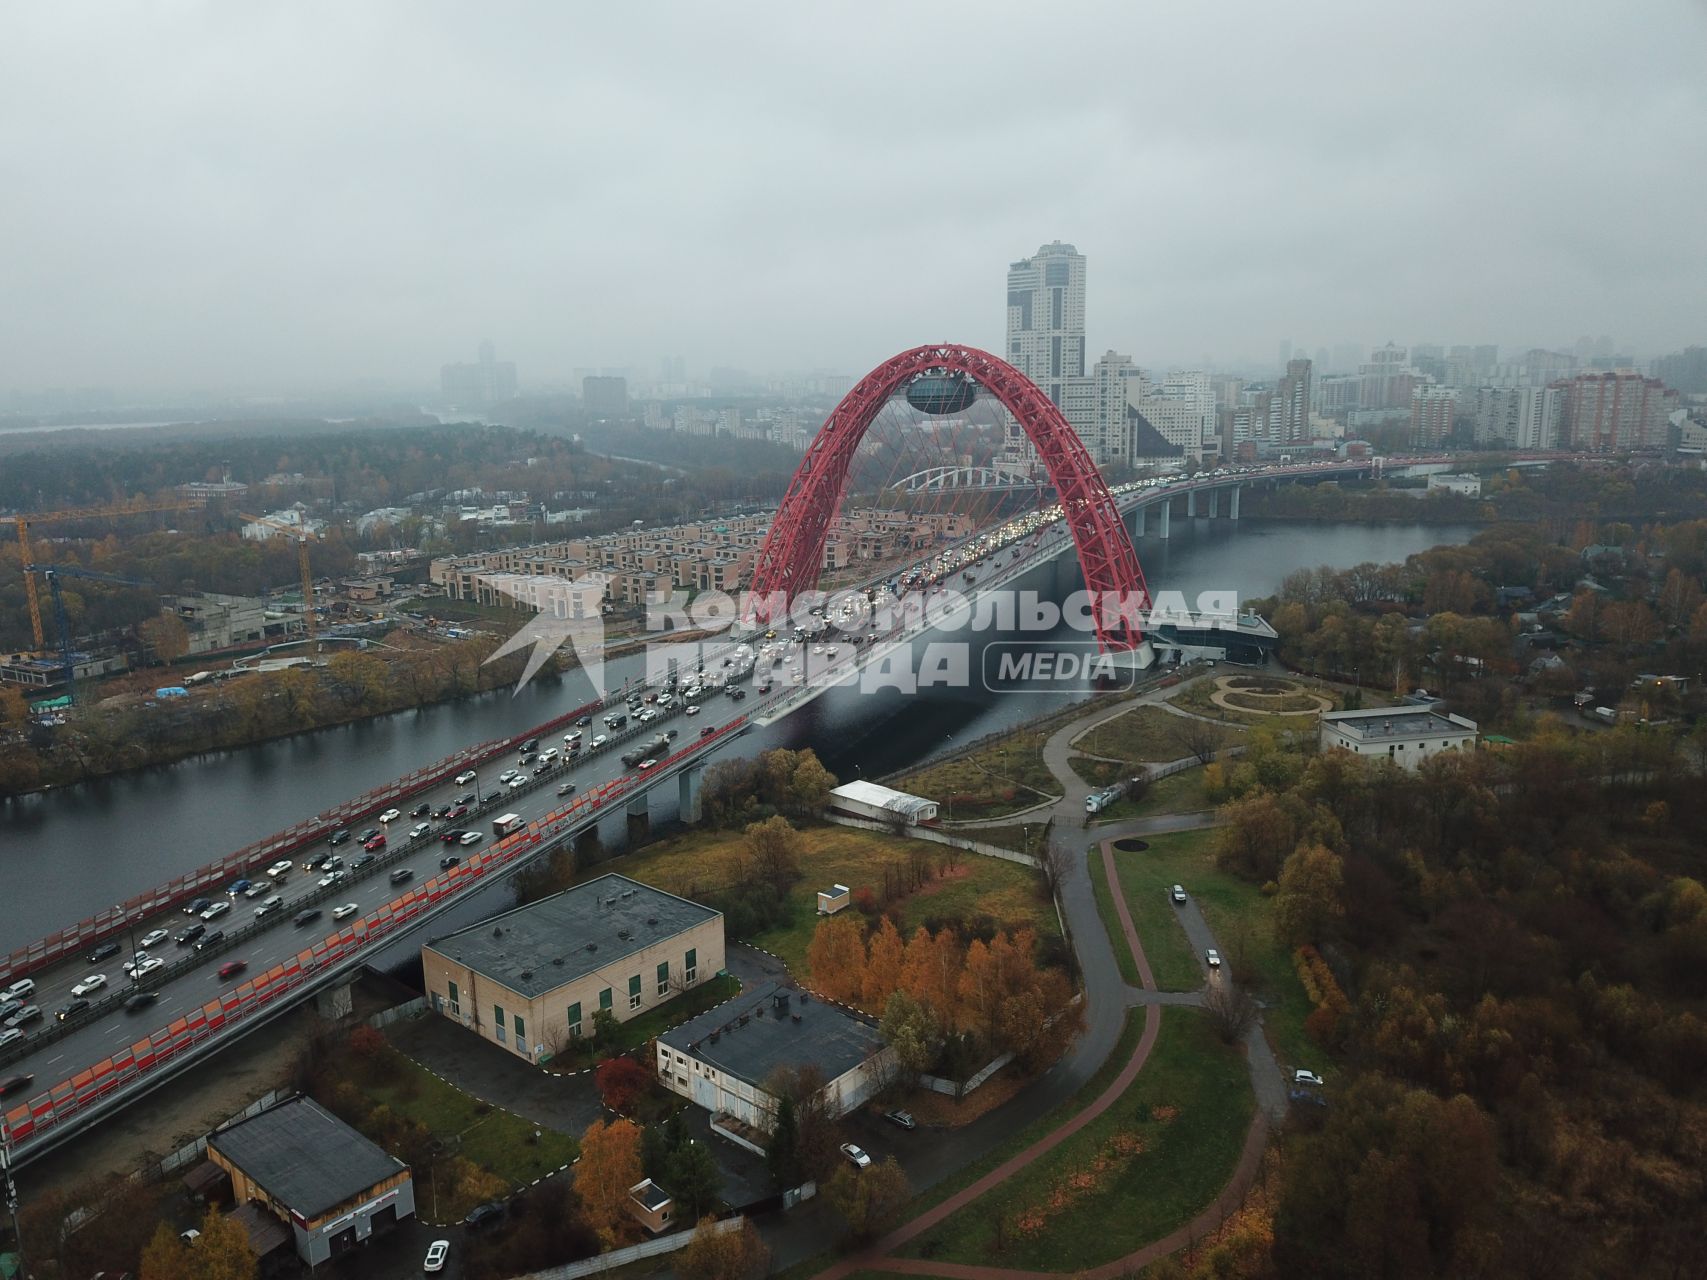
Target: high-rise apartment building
<point x="604" y="397"/>
<point x="487" y="381"/>
<point x="1046" y="340"/>
<point x="1619" y="410"/>
<point x="1386" y="378"/>
<point x="1433" y="411"/>
<point x="1686" y="370"/>
<point x="1289" y="408"/>
<point x="1518" y="417"/>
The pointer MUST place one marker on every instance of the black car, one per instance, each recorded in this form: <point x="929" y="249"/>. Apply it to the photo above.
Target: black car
<point x="105" y="951"/>
<point x="448" y="861"/>
<point x="315" y="861"/>
<point x="306" y="917"/>
<point x="532" y="744"/>
<point x="198" y="906"/>
<point x="583" y="721"/>
<point x="484" y="1215"/>
<point x="469" y="798"/>
<point x="15" y="1084"/>
<point x="363" y="861"/>
<point x="369" y="834"/>
<point x="708" y="731"/>
<point x="337" y="838"/>
<point x="210" y="939"/>
<point x="401" y="874"/>
<point x="71" y="1009"/>
<point x="442" y="812"/>
<point x="140" y="1001"/>
<point x="421" y="810"/>
<point x="190" y="935"/>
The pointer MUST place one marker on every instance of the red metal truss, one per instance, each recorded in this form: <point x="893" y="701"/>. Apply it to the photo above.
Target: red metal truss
<point x="793" y="550"/>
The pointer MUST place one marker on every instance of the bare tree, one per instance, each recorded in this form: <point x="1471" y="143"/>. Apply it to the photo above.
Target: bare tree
<point x="1231" y="1010"/>
<point x="1195" y="737"/>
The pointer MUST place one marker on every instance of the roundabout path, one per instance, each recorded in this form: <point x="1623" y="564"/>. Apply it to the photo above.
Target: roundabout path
<point x="1105" y="993"/>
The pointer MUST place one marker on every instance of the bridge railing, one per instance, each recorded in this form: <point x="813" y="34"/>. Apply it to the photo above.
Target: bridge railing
<point x="318" y="962"/>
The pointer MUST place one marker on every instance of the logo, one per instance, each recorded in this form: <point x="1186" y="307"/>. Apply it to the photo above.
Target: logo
<point x="1041" y="666"/>
<point x="568" y="611"/>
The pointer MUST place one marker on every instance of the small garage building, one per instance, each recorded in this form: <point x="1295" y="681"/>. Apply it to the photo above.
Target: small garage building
<point x="884" y="804"/>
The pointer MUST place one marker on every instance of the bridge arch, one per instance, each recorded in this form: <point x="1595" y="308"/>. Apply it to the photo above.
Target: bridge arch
<point x="793" y="551"/>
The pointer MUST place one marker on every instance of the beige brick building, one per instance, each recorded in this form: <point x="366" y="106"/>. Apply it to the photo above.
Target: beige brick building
<point x="533" y="978"/>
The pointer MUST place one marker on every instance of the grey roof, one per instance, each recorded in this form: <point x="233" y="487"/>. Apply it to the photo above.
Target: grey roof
<point x="650" y="1194"/>
<point x="304" y="1157"/>
<point x="1381" y="723"/>
<point x="825" y="1037"/>
<point x="539" y="947"/>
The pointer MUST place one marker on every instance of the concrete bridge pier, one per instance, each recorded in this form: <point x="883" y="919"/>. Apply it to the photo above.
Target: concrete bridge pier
<point x="336" y="1004"/>
<point x="1191" y="504"/>
<point x="1140" y="522"/>
<point x="586" y="844"/>
<point x="639" y="819"/>
<point x="1166" y="511"/>
<point x="688" y="787"/>
<point x="1214" y="503"/>
<point x="1233" y="503"/>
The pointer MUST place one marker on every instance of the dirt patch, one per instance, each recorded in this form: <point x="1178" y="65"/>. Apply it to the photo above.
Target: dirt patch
<point x="943" y="1112"/>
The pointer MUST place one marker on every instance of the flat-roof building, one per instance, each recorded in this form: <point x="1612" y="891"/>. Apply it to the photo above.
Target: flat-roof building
<point x="869" y="800"/>
<point x="531" y="979"/>
<point x="328" y="1183"/>
<point x="1405" y="735"/>
<point x="724" y="1059"/>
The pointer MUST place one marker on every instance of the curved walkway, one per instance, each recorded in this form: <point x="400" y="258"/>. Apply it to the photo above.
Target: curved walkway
<point x="1096" y="959"/>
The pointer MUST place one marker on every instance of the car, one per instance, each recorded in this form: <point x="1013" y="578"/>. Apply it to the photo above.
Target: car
<point x="442" y="812"/>
<point x="22" y="989"/>
<point x="11" y="1035"/>
<point x="901" y="1119"/>
<point x="421" y="810"/>
<point x="257" y="889"/>
<point x="269" y="906"/>
<point x="470" y="837"/>
<point x="216" y="910"/>
<point x="527" y="758"/>
<point x="198" y="906"/>
<point x="461" y="811"/>
<point x="374" y="842"/>
<point x="1301" y="1076"/>
<point x="210" y="939"/>
<point x="532" y="744"/>
<point x="540" y="770"/>
<point x="151" y="965"/>
<point x="855" y="1156"/>
<point x="574" y="735"/>
<point x="366" y="859"/>
<point x="465" y="777"/>
<point x="708" y="731"/>
<point x="647" y="763"/>
<point x="129" y="966"/>
<point x="401" y="874"/>
<point x="548" y="755"/>
<point x="507" y="775"/>
<point x="315" y="861"/>
<point x="470" y="798"/>
<point x="345" y="912"/>
<point x="437" y="1252"/>
<point x="1178" y="893"/>
<point x="516" y="784"/>
<point x="333" y="877"/>
<point x="93" y="983"/>
<point x="9" y="1007"/>
<point x="448" y="861"/>
<point x="190" y="935"/>
<point x="1213" y="958"/>
<point x="735" y="695"/>
<point x="693" y="710"/>
<point x="237" y="886"/>
<point x="15" y="1084"/>
<point x="306" y="917"/>
<point x="583" y="721"/>
<point x="599" y="740"/>
<point x="369" y="834"/>
<point x="29" y="1013"/>
<point x="70" y="1009"/>
<point x="231" y="968"/>
<point x="567" y="789"/>
<point x="153" y="938"/>
<point x="337" y="838"/>
<point x="484" y="1215"/>
<point x="419" y="829"/>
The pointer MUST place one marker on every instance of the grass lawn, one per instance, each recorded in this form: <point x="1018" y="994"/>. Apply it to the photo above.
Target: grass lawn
<point x="1139" y="1170"/>
<point x="1176" y="793"/>
<point x="1149" y="735"/>
<point x="1197" y="698"/>
<point x="698" y="863"/>
<point x="1020" y="837"/>
<point x="1002" y="778"/>
<point x="490" y="1137"/>
<point x="637" y="1031"/>
<point x="1146" y="878"/>
<point x="1240" y="917"/>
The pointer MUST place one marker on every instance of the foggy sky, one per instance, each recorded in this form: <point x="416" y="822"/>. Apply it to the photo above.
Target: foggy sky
<point x="297" y="195"/>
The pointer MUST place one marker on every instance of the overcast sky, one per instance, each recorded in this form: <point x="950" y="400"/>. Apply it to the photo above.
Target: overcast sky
<point x="297" y="195"/>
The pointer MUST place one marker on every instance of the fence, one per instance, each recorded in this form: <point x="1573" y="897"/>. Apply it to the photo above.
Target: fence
<point x="192" y="1153"/>
<point x="397" y="1013"/>
<point x="314" y="965"/>
<point x="936" y="837"/>
<point x="634" y="1253"/>
<point x="960" y="1088"/>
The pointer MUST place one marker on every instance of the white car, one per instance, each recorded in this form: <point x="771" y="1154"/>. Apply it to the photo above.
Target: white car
<point x="516" y="784"/>
<point x="437" y="1252"/>
<point x="345" y="912"/>
<point x="1178" y="893"/>
<point x="257" y="889"/>
<point x="151" y="965"/>
<point x="1213" y="958"/>
<point x="859" y="1158"/>
<point x="549" y="754"/>
<point x="508" y="775"/>
<point x="599" y="741"/>
<point x="93" y="983"/>
<point x="153" y="938"/>
<point x="693" y="709"/>
<point x="572" y="737"/>
<point x="11" y="1035"/>
<point x="130" y="965"/>
<point x="269" y="906"/>
<point x="279" y="868"/>
<point x="470" y="837"/>
<point x="1302" y="1076"/>
<point x="216" y="910"/>
<point x="465" y="777"/>
<point x="391" y="815"/>
<point x="419" y="829"/>
<point x="23" y="988"/>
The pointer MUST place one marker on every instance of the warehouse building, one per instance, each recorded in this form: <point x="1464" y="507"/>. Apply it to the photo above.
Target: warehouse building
<point x="884" y="804"/>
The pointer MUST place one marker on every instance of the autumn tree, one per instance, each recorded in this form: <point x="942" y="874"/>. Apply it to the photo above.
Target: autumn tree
<point x="738" y="1254"/>
<point x="774" y="847"/>
<point x="885" y="955"/>
<point x="621" y="1080"/>
<point x="836" y="957"/>
<point x="167" y="1256"/>
<point x="809" y="789"/>
<point x="869" y="1199"/>
<point x="609" y="1166"/>
<point x="1311" y="893"/>
<point x="912" y="1030"/>
<point x="930" y="971"/>
<point x="165" y="636"/>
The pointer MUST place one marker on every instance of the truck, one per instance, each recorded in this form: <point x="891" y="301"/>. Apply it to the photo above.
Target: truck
<point x="656" y="749"/>
<point x="502" y="826"/>
<point x="1097" y="801"/>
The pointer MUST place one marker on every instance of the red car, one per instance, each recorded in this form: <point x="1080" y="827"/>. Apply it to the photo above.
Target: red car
<point x="461" y="811"/>
<point x="378" y="842"/>
<point x="231" y="968"/>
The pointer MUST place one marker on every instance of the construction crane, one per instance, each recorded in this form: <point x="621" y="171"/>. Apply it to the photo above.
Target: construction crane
<point x="26" y="556"/>
<point x="53" y="573"/>
<point x="303" y="536"/>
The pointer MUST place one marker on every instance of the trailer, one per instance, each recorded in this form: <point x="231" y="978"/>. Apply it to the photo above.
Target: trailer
<point x="502" y="826"/>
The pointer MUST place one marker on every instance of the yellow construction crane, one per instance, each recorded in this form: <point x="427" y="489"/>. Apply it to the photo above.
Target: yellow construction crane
<point x="27" y="556"/>
<point x="303" y="536"/>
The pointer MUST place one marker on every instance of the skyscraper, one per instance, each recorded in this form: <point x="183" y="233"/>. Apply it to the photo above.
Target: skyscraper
<point x="1046" y="317"/>
<point x="1433" y="411"/>
<point x="1290" y="408"/>
<point x="485" y="382"/>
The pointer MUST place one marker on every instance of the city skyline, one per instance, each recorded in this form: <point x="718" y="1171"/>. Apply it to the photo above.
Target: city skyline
<point x="723" y="199"/>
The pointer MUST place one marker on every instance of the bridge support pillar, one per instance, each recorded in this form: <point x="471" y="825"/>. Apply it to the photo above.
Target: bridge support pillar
<point x="586" y="844"/>
<point x="336" y="1004"/>
<point x="1140" y="522"/>
<point x="639" y="818"/>
<point x="1233" y="503"/>
<point x="688" y="794"/>
<point x="1167" y="508"/>
<point x="1191" y="504"/>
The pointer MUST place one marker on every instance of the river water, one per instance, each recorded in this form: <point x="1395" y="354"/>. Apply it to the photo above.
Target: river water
<point x="69" y="853"/>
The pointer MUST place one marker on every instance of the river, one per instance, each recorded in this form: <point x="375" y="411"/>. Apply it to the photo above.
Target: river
<point x="68" y="853"/>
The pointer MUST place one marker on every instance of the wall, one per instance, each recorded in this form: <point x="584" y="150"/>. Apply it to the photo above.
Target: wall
<point x="937" y="837"/>
<point x="622" y="1257"/>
